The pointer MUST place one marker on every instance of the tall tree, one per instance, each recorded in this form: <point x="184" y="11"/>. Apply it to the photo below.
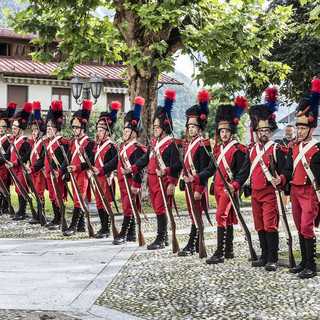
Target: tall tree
<point x="150" y="32"/>
<point x="299" y="50"/>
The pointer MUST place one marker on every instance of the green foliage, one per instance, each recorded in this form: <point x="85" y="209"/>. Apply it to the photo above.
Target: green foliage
<point x="226" y="34"/>
<point x="300" y="53"/>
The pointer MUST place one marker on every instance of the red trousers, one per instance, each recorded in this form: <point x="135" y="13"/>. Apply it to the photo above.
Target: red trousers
<point x="198" y="202"/>
<point x="52" y="193"/>
<point x="125" y="200"/>
<point x="305" y="208"/>
<point x="19" y="173"/>
<point x="5" y="175"/>
<point x="39" y="182"/>
<point x="83" y="183"/>
<point x="105" y="187"/>
<point x="225" y="215"/>
<point x="265" y="209"/>
<point x="156" y="195"/>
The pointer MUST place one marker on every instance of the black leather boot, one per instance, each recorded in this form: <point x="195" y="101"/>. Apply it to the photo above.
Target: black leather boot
<point x="189" y="249"/>
<point x="273" y="248"/>
<point x="159" y="242"/>
<point x="229" y="254"/>
<point x="21" y="214"/>
<point x="303" y="262"/>
<point x="4" y="209"/>
<point x="166" y="239"/>
<point x="37" y="219"/>
<point x="81" y="227"/>
<point x="218" y="256"/>
<point x="262" y="261"/>
<point x="131" y="235"/>
<point x="103" y="219"/>
<point x="310" y="269"/>
<point x="121" y="239"/>
<point x="56" y="222"/>
<point x="74" y="222"/>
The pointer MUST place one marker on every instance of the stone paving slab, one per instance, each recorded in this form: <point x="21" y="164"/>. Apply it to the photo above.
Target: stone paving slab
<point x="60" y="275"/>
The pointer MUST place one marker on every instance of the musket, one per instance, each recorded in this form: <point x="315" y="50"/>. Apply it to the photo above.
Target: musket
<point x="20" y="186"/>
<point x="78" y="191"/>
<point x="194" y="208"/>
<point x="64" y="225"/>
<point x="30" y="182"/>
<point x="243" y="225"/>
<point x="133" y="204"/>
<point x="112" y="195"/>
<point x="175" y="206"/>
<point x="205" y="209"/>
<point x="142" y="209"/>
<point x="175" y="244"/>
<point x="282" y="213"/>
<point x="103" y="197"/>
<point x="6" y="194"/>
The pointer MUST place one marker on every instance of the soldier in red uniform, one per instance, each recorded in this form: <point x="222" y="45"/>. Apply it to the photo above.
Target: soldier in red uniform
<point x="23" y="145"/>
<point x="105" y="151"/>
<point x="196" y="159"/>
<point x="256" y="167"/>
<point x="303" y="172"/>
<point x="170" y="164"/>
<point x="130" y="152"/>
<point x="5" y="122"/>
<point x="79" y="166"/>
<point x="53" y="142"/>
<point x="230" y="156"/>
<point x="38" y="178"/>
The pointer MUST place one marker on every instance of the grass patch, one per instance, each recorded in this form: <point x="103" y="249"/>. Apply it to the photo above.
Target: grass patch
<point x="297" y="255"/>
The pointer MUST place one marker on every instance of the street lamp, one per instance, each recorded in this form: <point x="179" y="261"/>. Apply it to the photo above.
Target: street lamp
<point x="95" y="87"/>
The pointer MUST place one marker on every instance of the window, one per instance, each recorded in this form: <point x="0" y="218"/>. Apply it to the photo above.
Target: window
<point x="62" y="94"/>
<point x="23" y="50"/>
<point x="5" y="49"/>
<point x="16" y="50"/>
<point x="18" y="94"/>
<point x="33" y="49"/>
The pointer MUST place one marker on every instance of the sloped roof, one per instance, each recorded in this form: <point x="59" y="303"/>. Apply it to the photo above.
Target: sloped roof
<point x="9" y="33"/>
<point x="37" y="69"/>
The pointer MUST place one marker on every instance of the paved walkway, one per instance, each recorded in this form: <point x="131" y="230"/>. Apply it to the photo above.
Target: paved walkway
<point x="60" y="275"/>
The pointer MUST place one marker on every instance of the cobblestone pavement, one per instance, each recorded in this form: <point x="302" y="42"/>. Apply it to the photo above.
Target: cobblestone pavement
<point x="160" y="285"/>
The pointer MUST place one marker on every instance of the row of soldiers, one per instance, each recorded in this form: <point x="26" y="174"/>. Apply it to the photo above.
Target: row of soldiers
<point x="264" y="164"/>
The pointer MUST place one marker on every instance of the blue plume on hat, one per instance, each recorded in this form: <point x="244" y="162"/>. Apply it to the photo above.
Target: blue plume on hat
<point x="170" y="96"/>
<point x="115" y="107"/>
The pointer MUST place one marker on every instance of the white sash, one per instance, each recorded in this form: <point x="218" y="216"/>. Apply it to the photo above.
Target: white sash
<point x="311" y="176"/>
<point x="222" y="157"/>
<point x="188" y="155"/>
<point x="156" y="148"/>
<point x="77" y="151"/>
<point x="17" y="141"/>
<point x="302" y="152"/>
<point x="97" y="155"/>
<point x="34" y="150"/>
<point x="123" y="153"/>
<point x="259" y="155"/>
<point x="2" y="140"/>
<point x="52" y="142"/>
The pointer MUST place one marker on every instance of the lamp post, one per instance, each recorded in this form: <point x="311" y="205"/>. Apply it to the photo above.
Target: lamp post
<point x="94" y="89"/>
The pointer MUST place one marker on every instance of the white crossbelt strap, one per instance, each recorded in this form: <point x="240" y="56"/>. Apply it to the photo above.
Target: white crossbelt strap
<point x="222" y="156"/>
<point x="99" y="149"/>
<point x="77" y="151"/>
<point x="49" y="148"/>
<point x="2" y="140"/>
<point x="310" y="175"/>
<point x="188" y="155"/>
<point x="123" y="153"/>
<point x="259" y="155"/>
<point x="34" y="150"/>
<point x="156" y="148"/>
<point x="17" y="141"/>
<point x="302" y="152"/>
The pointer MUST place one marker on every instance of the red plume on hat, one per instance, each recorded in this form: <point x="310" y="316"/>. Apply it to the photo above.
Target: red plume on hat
<point x="241" y="104"/>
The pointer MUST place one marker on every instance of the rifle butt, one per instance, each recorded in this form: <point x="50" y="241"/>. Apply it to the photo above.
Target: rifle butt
<point x="253" y="254"/>
<point x="292" y="261"/>
<point x="90" y="230"/>
<point x="64" y="225"/>
<point x="43" y="220"/>
<point x="115" y="231"/>
<point x="202" y="250"/>
<point x="142" y="240"/>
<point x="11" y="210"/>
<point x="34" y="214"/>
<point x="175" y="244"/>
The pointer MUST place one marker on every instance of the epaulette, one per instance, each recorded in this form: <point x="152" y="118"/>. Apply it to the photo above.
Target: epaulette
<point x="153" y="140"/>
<point x="11" y="138"/>
<point x="65" y="141"/>
<point x="284" y="149"/>
<point x="242" y="148"/>
<point x="139" y="145"/>
<point x="206" y="142"/>
<point x="30" y="141"/>
<point x="293" y="143"/>
<point x="95" y="147"/>
<point x="180" y="143"/>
